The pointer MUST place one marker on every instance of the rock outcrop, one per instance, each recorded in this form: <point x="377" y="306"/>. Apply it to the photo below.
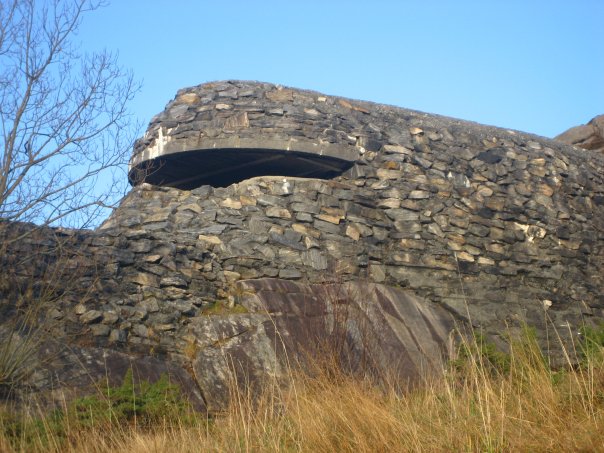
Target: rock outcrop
<point x="587" y="136"/>
<point x="365" y="228"/>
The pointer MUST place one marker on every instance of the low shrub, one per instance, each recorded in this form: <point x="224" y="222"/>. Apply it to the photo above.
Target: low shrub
<point x="141" y="406"/>
<point x="144" y="404"/>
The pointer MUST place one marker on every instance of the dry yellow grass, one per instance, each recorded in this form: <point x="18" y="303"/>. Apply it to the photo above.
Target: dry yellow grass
<point x="522" y="406"/>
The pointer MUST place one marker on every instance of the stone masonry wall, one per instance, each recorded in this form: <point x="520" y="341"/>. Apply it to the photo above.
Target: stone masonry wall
<point x="427" y="194"/>
<point x="429" y="199"/>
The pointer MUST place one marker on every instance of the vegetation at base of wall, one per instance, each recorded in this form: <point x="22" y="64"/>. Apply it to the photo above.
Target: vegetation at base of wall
<point x="138" y="406"/>
<point x="592" y="344"/>
<point x="478" y="347"/>
<point x="484" y="402"/>
<point x="143" y="404"/>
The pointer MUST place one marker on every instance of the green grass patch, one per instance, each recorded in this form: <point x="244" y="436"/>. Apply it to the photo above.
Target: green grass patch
<point x="142" y="405"/>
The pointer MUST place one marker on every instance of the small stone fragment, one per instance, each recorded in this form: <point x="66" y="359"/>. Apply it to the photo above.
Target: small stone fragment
<point x="176" y="281"/>
<point x="91" y="316"/>
<point x="377" y="272"/>
<point x="210" y="239"/>
<point x="353" y="233"/>
<point x="329" y="218"/>
<point x="230" y="203"/>
<point x="394" y="149"/>
<point x="117" y="336"/>
<point x="100" y="330"/>
<point x="419" y="195"/>
<point x="464" y="256"/>
<point x="292" y="274"/>
<point x="277" y="212"/>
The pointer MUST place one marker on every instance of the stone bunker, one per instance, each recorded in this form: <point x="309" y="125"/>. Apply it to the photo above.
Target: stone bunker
<point x="423" y="223"/>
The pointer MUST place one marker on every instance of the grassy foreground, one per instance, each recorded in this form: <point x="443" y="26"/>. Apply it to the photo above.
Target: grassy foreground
<point x="485" y="402"/>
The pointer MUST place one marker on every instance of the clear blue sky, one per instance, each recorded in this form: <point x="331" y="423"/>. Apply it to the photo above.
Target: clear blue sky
<point x="532" y="65"/>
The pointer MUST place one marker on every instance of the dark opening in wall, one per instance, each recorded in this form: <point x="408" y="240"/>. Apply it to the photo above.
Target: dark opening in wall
<point x="223" y="167"/>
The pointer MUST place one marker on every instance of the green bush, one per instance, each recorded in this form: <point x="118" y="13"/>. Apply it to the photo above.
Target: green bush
<point x="142" y="403"/>
<point x="477" y="348"/>
<point x="32" y="433"/>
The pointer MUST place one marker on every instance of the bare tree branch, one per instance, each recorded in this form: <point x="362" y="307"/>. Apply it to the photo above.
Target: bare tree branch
<point x="64" y="123"/>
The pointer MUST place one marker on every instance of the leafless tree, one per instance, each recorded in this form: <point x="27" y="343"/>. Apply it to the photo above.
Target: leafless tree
<point x="65" y="127"/>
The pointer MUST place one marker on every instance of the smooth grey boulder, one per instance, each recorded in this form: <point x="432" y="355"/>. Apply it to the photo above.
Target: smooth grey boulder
<point x="587" y="136"/>
<point x="367" y="328"/>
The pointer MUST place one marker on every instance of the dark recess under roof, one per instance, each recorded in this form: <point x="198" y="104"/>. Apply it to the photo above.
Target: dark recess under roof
<point x="223" y="167"/>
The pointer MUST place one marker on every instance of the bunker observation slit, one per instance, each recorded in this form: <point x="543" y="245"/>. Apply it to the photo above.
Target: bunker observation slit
<point x="222" y="167"/>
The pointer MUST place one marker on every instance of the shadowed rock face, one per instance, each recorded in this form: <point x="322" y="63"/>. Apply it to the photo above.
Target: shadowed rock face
<point x="436" y="220"/>
<point x="587" y="136"/>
